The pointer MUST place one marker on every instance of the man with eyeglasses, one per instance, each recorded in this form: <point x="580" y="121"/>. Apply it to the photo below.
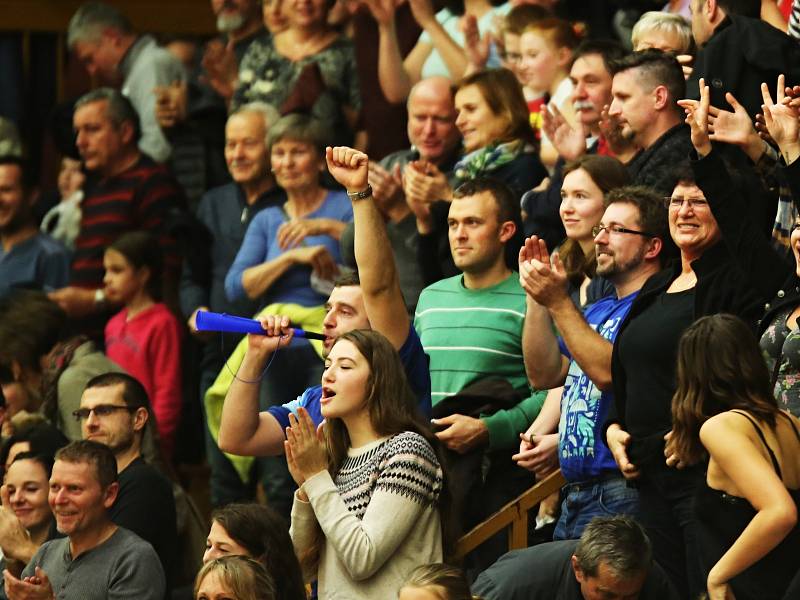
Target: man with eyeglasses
<point x="629" y="246"/>
<point x="115" y="411"/>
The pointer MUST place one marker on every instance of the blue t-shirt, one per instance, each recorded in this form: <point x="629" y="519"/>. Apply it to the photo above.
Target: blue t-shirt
<point x="581" y="451"/>
<point x="260" y="245"/>
<point x="40" y="263"/>
<point x="415" y="362"/>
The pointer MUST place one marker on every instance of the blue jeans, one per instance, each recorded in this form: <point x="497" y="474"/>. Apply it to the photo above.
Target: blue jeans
<point x="583" y="501"/>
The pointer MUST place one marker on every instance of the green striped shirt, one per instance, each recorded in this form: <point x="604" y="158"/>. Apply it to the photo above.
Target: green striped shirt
<point x="473" y="334"/>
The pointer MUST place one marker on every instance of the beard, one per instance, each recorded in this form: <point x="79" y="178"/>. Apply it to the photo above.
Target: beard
<point x="614" y="268"/>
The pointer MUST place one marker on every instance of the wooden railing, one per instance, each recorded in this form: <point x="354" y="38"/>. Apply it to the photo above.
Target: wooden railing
<point x="513" y="514"/>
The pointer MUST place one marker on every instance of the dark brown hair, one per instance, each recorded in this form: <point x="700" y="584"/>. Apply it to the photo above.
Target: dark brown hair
<point x="265" y="536"/>
<point x="503" y="94"/>
<point x="392" y="410"/>
<point x="607" y="173"/>
<point x="720" y="368"/>
<point x="141" y="250"/>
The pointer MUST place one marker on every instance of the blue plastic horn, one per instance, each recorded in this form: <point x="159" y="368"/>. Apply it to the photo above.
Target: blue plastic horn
<point x="211" y="321"/>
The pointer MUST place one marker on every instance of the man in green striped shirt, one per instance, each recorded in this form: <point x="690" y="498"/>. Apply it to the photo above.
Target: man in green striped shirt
<point x="471" y="324"/>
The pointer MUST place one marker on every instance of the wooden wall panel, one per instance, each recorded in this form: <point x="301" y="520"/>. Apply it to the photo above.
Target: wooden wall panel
<point x="165" y="16"/>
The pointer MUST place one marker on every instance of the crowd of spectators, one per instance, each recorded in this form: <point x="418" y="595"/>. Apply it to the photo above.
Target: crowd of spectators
<point x="586" y="260"/>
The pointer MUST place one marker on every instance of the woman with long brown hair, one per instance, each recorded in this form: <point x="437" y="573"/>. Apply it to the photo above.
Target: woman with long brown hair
<point x="371" y="485"/>
<point x="586" y="181"/>
<point x="746" y="507"/>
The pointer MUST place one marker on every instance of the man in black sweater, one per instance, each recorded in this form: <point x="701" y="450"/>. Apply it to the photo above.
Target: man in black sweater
<point x="115" y="411"/>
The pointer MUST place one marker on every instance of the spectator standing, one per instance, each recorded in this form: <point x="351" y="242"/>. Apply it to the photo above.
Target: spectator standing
<point x="646" y="88"/>
<point x="28" y="258"/>
<point x="629" y="244"/>
<point x="309" y="68"/>
<point x="377" y="459"/>
<point x="372" y="300"/>
<point x="471" y="328"/>
<point x="738" y="51"/>
<point x="747" y="504"/>
<point x="82" y="489"/>
<point x="144" y="338"/>
<point x="104" y="41"/>
<point x="440" y="48"/>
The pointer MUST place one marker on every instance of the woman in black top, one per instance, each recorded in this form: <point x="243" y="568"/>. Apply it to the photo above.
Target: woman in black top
<point x="747" y="505"/>
<point x="706" y="280"/>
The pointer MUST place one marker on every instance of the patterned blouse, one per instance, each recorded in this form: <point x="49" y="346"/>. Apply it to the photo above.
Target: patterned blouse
<point x="265" y="75"/>
<point x="780" y="342"/>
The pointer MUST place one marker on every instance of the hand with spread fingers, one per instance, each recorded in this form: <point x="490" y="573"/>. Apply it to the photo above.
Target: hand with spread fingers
<point x="387" y="186"/>
<point x="568" y="140"/>
<point x="697" y="119"/>
<point x="782" y="120"/>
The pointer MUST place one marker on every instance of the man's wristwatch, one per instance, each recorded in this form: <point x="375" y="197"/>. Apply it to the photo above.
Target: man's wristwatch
<point x="366" y="193"/>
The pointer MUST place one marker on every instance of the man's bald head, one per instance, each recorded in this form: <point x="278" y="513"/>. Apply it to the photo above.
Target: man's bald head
<point x="432" y="119"/>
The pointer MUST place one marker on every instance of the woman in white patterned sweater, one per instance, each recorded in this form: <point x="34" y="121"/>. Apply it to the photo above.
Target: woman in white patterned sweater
<point x="368" y="508"/>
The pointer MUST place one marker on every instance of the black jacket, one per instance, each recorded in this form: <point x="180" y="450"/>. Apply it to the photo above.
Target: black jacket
<point x="740" y="55"/>
<point x="738" y="275"/>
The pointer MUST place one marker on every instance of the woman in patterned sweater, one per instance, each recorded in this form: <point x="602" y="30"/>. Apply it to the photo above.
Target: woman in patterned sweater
<point x="371" y="486"/>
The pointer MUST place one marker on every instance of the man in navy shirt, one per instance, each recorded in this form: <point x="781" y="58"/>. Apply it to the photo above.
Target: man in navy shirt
<point x="628" y="246"/>
<point x="374" y="302"/>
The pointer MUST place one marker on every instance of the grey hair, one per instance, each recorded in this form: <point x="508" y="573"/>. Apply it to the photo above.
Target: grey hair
<point x="268" y="113"/>
<point x="619" y="542"/>
<point x="655" y="20"/>
<point x="300" y="128"/>
<point x="89" y="21"/>
<point x="119" y="108"/>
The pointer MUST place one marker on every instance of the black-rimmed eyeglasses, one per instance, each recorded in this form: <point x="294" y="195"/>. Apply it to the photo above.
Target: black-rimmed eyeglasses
<point x="609" y="229"/>
<point x="101" y="410"/>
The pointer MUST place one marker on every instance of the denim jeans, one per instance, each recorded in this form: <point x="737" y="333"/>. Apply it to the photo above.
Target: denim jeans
<point x="604" y="497"/>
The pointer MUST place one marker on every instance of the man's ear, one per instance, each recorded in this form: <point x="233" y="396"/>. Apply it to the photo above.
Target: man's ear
<point x="507" y="230"/>
<point x="110" y="495"/>
<point x="661" y="97"/>
<point x="711" y="8"/>
<point x="576" y="569"/>
<point x="656" y="246"/>
<point x="140" y="418"/>
<point x="126" y="131"/>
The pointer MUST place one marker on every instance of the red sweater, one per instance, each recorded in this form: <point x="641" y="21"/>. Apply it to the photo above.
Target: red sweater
<point x="149" y="348"/>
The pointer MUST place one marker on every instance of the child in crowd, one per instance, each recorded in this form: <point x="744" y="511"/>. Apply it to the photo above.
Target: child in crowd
<point x="746" y="506"/>
<point x="368" y="509"/>
<point x="63" y="221"/>
<point x="234" y="578"/>
<point x="144" y="337"/>
<point x="514" y="25"/>
<point x="436" y="581"/>
<point x="546" y="47"/>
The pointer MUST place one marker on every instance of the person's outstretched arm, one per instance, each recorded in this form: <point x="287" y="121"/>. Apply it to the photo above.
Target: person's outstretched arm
<point x="380" y="283"/>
